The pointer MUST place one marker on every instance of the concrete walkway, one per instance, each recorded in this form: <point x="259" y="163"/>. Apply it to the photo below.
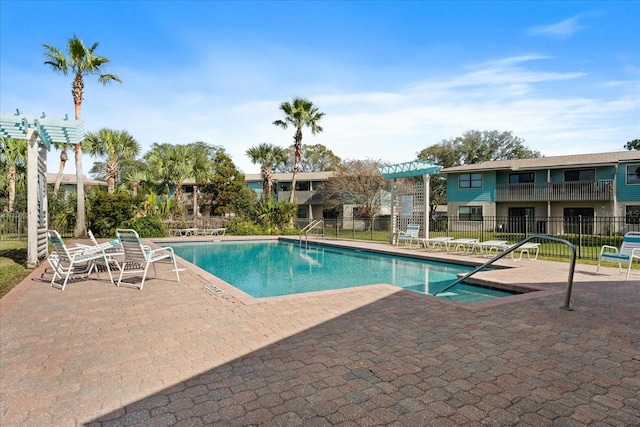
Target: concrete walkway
<point x="176" y="354"/>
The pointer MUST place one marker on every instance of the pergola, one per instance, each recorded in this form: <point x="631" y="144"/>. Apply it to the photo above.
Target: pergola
<point x="40" y="133"/>
<point x="409" y="201"/>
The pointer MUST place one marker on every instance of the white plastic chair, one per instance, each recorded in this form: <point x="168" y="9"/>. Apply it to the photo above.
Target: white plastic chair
<point x="629" y="250"/>
<point x="409" y="235"/>
<point x="138" y="257"/>
<point x="77" y="261"/>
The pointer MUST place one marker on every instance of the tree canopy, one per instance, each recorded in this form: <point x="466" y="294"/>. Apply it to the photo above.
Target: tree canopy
<point x="633" y="145"/>
<point x="315" y="158"/>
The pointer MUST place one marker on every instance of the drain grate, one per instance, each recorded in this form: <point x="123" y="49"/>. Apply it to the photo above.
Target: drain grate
<point x="214" y="290"/>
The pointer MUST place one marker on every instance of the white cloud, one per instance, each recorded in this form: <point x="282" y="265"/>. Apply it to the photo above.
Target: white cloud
<point x="563" y="29"/>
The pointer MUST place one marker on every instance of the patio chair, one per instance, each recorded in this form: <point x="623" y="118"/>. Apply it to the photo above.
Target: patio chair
<point x="409" y="235"/>
<point x="138" y="257"/>
<point x="526" y="248"/>
<point x="458" y="245"/>
<point x="77" y="261"/>
<point x="629" y="250"/>
<point x="112" y="247"/>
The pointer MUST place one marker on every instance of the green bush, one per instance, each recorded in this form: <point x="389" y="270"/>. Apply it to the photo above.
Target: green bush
<point x="147" y="226"/>
<point x="106" y="212"/>
<point x="244" y="227"/>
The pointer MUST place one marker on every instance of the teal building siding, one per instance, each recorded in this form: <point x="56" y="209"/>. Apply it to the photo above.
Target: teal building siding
<point x="627" y="192"/>
<point x="461" y="195"/>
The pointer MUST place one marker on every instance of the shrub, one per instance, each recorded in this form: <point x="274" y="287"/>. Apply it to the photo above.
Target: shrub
<point x="106" y="212"/>
<point x="147" y="226"/>
<point x="244" y="227"/>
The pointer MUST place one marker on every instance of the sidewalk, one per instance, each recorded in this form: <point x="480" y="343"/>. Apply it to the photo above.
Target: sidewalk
<point x="178" y="354"/>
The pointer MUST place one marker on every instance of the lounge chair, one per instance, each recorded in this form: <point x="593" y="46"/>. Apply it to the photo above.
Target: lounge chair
<point x="458" y="245"/>
<point x="212" y="231"/>
<point x="409" y="235"/>
<point x="526" y="248"/>
<point x="488" y="245"/>
<point x="432" y="242"/>
<point x="77" y="261"/>
<point x="629" y="250"/>
<point x="138" y="257"/>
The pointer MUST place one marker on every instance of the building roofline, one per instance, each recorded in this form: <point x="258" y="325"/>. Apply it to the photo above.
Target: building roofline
<point x="551" y="162"/>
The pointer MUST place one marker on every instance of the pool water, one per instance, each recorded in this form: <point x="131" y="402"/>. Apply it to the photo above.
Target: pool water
<point x="275" y="268"/>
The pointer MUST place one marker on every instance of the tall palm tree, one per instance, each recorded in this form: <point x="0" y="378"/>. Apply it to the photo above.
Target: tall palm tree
<point x="269" y="157"/>
<point x="13" y="152"/>
<point x="80" y="61"/>
<point x="301" y="112"/>
<point x="115" y="146"/>
<point x="202" y="169"/>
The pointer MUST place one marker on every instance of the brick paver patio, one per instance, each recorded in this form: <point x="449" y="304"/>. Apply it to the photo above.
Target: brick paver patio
<point x="176" y="354"/>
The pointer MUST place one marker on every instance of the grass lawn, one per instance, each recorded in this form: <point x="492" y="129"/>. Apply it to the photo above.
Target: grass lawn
<point x="13" y="254"/>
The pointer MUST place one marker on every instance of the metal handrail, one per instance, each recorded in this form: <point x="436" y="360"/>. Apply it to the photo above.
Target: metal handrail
<point x="313" y="224"/>
<point x="513" y="248"/>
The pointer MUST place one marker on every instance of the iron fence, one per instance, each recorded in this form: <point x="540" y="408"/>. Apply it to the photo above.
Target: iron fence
<point x="13" y="226"/>
<point x="587" y="234"/>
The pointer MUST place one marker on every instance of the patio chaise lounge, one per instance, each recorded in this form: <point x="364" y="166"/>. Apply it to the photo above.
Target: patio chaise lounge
<point x="138" y="257"/>
<point x="432" y="242"/>
<point x="459" y="245"/>
<point x="77" y="261"/>
<point x="629" y="250"/>
<point x="526" y="248"/>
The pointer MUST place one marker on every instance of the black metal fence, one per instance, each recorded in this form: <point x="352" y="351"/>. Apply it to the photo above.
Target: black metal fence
<point x="588" y="234"/>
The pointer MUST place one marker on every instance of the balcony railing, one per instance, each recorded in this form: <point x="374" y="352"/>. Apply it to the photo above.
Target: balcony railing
<point x="555" y="191"/>
<point x="301" y="197"/>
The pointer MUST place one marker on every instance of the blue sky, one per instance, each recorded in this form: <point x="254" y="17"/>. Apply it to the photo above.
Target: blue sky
<point x="392" y="77"/>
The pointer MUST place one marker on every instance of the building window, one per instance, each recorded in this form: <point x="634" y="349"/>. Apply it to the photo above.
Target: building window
<point x="633" y="214"/>
<point x="303" y="212"/>
<point x="521" y="177"/>
<point x="580" y="175"/>
<point x="470" y="180"/>
<point x="633" y="175"/>
<point x="470" y="213"/>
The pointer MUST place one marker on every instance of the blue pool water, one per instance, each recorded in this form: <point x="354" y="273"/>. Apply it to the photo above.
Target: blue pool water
<point x="270" y="268"/>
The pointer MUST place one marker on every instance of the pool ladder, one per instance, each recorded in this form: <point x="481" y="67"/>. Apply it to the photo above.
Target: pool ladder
<point x="313" y="224"/>
<point x="513" y="248"/>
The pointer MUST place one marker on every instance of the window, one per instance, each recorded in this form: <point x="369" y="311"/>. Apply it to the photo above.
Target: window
<point x="633" y="214"/>
<point x="520" y="178"/>
<point x="303" y="212"/>
<point x="303" y="186"/>
<point x="580" y="175"/>
<point x="470" y="213"/>
<point x="470" y="180"/>
<point x="633" y="175"/>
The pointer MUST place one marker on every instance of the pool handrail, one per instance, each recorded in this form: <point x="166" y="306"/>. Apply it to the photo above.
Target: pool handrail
<point x="313" y="224"/>
<point x="513" y="248"/>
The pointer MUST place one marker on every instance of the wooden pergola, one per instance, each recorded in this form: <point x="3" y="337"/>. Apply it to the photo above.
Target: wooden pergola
<point x="40" y="133"/>
<point x="409" y="202"/>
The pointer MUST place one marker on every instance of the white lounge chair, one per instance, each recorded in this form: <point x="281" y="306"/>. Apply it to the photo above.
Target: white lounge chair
<point x="409" y="235"/>
<point x="629" y="250"/>
<point x="138" y="257"/>
<point x="77" y="261"/>
<point x="432" y="242"/>
<point x="458" y="245"/>
<point x="212" y="231"/>
<point x="526" y="248"/>
<point x="488" y="245"/>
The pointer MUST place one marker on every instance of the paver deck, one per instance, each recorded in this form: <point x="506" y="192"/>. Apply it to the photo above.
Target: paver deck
<point x="178" y="354"/>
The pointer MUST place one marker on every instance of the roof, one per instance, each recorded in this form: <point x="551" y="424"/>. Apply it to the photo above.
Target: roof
<point x="70" y="179"/>
<point x="551" y="162"/>
<point x="286" y="177"/>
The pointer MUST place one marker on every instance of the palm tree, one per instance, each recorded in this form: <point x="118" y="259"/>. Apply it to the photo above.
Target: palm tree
<point x="79" y="61"/>
<point x="202" y="169"/>
<point x="63" y="147"/>
<point x="301" y="112"/>
<point x="269" y="157"/>
<point x="14" y="153"/>
<point x="115" y="146"/>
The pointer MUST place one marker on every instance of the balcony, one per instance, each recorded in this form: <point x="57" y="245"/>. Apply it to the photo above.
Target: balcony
<point x="555" y="191"/>
<point x="302" y="197"/>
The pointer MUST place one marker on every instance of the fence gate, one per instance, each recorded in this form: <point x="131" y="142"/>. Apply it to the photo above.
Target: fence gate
<point x="409" y="198"/>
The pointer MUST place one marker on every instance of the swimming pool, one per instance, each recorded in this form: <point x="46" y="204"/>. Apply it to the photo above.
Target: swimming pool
<point x="275" y="268"/>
